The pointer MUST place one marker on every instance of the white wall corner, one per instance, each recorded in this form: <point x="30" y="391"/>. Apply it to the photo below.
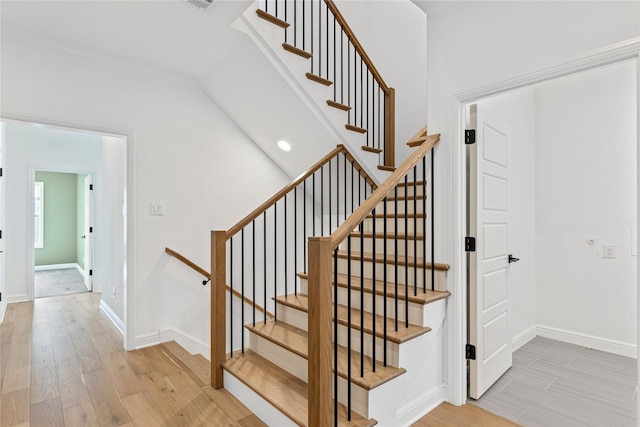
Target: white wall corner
<point x="423" y="404"/>
<point x="18" y="298"/>
<point x="147" y="340"/>
<point x="523" y="337"/>
<point x="590" y="341"/>
<point x="118" y="323"/>
<point x="188" y="342"/>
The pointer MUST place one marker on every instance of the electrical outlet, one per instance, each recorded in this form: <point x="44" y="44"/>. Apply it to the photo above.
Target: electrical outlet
<point x="609" y="251"/>
<point x="114" y="291"/>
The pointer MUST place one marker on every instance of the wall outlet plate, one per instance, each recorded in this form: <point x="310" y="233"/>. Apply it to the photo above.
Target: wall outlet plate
<point x="609" y="251"/>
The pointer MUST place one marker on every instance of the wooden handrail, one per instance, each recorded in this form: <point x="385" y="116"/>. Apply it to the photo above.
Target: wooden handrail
<point x="347" y="227"/>
<point x="356" y="44"/>
<point x="280" y="194"/>
<point x="206" y="274"/>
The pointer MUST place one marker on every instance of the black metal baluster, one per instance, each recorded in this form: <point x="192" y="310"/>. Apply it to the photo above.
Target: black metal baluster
<point x="320" y="39"/>
<point x="275" y="261"/>
<point x="424" y="227"/>
<point x="348" y="78"/>
<point x="349" y="329"/>
<point x="368" y="132"/>
<point x="341" y="66"/>
<point x="304" y="23"/>
<point x="335" y="77"/>
<point x="231" y="296"/>
<point x="415" y="231"/>
<point x="384" y="279"/>
<point x="295" y="23"/>
<point x="313" y="203"/>
<point x="330" y="210"/>
<point x="286" y="31"/>
<point x="335" y="334"/>
<point x="242" y="290"/>
<point x="345" y="187"/>
<point x="311" y="35"/>
<point x="406" y="254"/>
<point x="380" y="118"/>
<point x="373" y="295"/>
<point x="295" y="240"/>
<point x="433" y="224"/>
<point x="304" y="223"/>
<point x="286" y="245"/>
<point x="253" y="295"/>
<point x="395" y="253"/>
<point x="264" y="261"/>
<point x="362" y="302"/>
<point x="361" y="94"/>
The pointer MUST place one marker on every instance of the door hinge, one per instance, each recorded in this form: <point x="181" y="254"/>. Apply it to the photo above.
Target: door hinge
<point x="469" y="136"/>
<point x="90" y="272"/>
<point x="90" y="186"/>
<point x="470" y="352"/>
<point x="469" y="244"/>
<point x="90" y="229"/>
<point x="0" y="296"/>
<point x="0" y="171"/>
<point x="0" y="234"/>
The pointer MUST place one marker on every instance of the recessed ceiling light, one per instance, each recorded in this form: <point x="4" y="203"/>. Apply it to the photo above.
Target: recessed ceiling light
<point x="284" y="145"/>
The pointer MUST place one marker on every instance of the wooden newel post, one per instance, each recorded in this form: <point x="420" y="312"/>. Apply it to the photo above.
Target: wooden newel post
<point x="390" y="128"/>
<point x="320" y="340"/>
<point x="218" y="305"/>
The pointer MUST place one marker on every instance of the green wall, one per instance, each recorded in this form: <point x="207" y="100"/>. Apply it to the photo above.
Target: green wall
<point x="80" y="219"/>
<point x="60" y="219"/>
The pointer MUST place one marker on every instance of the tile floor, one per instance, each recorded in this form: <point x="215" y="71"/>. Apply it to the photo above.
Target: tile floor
<point x="48" y="283"/>
<point x="556" y="384"/>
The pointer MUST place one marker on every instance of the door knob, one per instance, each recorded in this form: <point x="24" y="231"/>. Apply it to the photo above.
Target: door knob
<point x="83" y="237"/>
<point x="513" y="259"/>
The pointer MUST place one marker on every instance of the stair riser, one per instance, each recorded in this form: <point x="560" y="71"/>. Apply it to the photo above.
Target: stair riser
<point x="416" y="311"/>
<point x="379" y="268"/>
<point x="419" y="190"/>
<point x="408" y="247"/>
<point x="419" y="225"/>
<point x="299" y="367"/>
<point x="391" y="207"/>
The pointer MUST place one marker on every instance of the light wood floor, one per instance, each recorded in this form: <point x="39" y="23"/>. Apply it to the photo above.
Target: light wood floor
<point x="62" y="363"/>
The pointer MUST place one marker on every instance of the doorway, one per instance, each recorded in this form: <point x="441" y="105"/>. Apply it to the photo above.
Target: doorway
<point x="63" y="227"/>
<point x="575" y="209"/>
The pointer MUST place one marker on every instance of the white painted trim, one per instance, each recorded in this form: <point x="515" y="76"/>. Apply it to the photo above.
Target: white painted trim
<point x="58" y="267"/>
<point x="3" y="310"/>
<point x="256" y="403"/>
<point x="591" y="341"/>
<point x="523" y="337"/>
<point x="456" y="372"/>
<point x="428" y="401"/>
<point x="147" y="340"/>
<point x="18" y="298"/>
<point x="186" y="341"/>
<point x="119" y="324"/>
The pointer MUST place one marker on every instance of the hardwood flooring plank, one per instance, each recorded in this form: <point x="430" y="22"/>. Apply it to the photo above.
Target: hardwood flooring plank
<point x="44" y="382"/>
<point x="251" y="421"/>
<point x="47" y="413"/>
<point x="42" y="352"/>
<point x="228" y="402"/>
<point x="83" y="343"/>
<point x="447" y="415"/>
<point x="81" y="415"/>
<point x="142" y="411"/>
<point x="71" y="383"/>
<point x="63" y="348"/>
<point x="107" y="343"/>
<point x="18" y="369"/>
<point x="108" y="406"/>
<point x="15" y="407"/>
<point x="123" y="377"/>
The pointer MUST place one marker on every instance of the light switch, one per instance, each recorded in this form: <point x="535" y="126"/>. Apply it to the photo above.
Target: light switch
<point x="156" y="209"/>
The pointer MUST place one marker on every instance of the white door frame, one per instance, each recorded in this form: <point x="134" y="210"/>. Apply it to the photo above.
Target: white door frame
<point x="129" y="270"/>
<point x="456" y="370"/>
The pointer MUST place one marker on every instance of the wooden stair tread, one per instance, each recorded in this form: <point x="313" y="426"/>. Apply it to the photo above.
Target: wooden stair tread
<point x="386" y="168"/>
<point x="371" y="149"/>
<point x="410" y="184"/>
<point x="337" y="105"/>
<point x="297" y="341"/>
<point x="399" y="215"/>
<point x="301" y="302"/>
<point x="283" y="390"/>
<point x="402" y="198"/>
<point x="355" y="128"/>
<point x="296" y="50"/>
<point x="390" y="235"/>
<point x="197" y="363"/>
<point x="270" y="18"/>
<point x="318" y="79"/>
<point x="393" y="259"/>
<point x="420" y="297"/>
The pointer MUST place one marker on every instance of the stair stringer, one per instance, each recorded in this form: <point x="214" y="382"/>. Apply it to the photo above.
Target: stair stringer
<point x="268" y="38"/>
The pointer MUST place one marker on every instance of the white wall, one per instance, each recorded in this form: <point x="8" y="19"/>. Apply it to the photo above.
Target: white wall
<point x="586" y="189"/>
<point x="185" y="153"/>
<point x="399" y="54"/>
<point x="517" y="109"/>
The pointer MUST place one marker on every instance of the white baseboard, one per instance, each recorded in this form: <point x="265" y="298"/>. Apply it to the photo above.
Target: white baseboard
<point x="57" y="267"/>
<point x="3" y="310"/>
<point x="423" y="404"/>
<point x="148" y="340"/>
<point x="523" y="337"/>
<point x="119" y="324"/>
<point x="17" y="298"/>
<point x="598" y="343"/>
<point x="188" y="342"/>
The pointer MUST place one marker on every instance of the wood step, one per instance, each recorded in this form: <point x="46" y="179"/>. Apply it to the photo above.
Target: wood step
<point x="386" y="168"/>
<point x="371" y="149"/>
<point x="197" y="363"/>
<point x="318" y="79"/>
<point x="301" y="302"/>
<point x="417" y="296"/>
<point x="269" y="17"/>
<point x="402" y="198"/>
<point x="392" y="259"/>
<point x="418" y="138"/>
<point x="355" y="128"/>
<point x="296" y="50"/>
<point x="337" y="105"/>
<point x="389" y="235"/>
<point x="297" y="341"/>
<point x="399" y="215"/>
<point x="289" y="394"/>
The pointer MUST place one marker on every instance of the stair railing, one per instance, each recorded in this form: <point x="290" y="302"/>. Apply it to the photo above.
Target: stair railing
<point x="260" y="256"/>
<point x="317" y="30"/>
<point x="324" y="253"/>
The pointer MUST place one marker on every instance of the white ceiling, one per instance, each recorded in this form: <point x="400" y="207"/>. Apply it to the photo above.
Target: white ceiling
<point x="170" y="36"/>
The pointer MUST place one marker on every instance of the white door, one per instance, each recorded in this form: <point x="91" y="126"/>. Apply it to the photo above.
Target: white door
<point x="489" y="264"/>
<point x="88" y="232"/>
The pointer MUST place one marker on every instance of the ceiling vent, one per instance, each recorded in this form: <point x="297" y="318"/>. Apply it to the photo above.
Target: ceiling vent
<point x="202" y="4"/>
